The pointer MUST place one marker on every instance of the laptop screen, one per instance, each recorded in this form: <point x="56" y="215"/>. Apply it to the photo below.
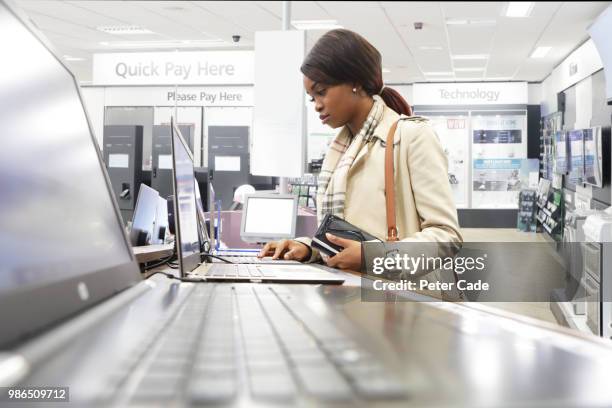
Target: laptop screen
<point x="161" y="221"/>
<point x="143" y="221"/>
<point x="185" y="210"/>
<point x="62" y="243"/>
<point x="268" y="216"/>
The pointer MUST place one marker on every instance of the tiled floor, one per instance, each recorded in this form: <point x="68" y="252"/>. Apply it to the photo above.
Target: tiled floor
<point x="537" y="310"/>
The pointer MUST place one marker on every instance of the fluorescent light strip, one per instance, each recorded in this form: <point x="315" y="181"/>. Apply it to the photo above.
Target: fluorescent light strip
<point x="315" y="24"/>
<point x="164" y="44"/>
<point x="540" y="52"/>
<point x="71" y="58"/>
<point x="519" y="9"/>
<point x="470" y="57"/>
<point x="455" y="21"/>
<point x="469" y="69"/>
<point x="124" y="30"/>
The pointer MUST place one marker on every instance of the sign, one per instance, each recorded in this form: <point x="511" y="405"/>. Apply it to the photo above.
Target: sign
<point x="170" y="68"/>
<point x="473" y="93"/>
<point x="184" y="96"/>
<point x="496" y="183"/>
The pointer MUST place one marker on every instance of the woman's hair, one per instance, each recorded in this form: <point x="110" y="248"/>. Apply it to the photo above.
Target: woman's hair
<point x="344" y="57"/>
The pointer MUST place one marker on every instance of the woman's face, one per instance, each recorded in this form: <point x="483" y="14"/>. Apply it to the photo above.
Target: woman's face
<point x="335" y="104"/>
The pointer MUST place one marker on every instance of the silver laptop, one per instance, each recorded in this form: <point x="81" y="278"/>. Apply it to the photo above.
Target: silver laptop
<point x="188" y="246"/>
<point x="147" y="221"/>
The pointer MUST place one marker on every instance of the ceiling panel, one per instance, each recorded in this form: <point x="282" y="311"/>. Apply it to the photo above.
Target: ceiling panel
<point x="475" y="10"/>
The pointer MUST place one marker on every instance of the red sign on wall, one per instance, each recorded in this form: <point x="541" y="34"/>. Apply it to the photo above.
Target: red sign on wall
<point x="455" y="123"/>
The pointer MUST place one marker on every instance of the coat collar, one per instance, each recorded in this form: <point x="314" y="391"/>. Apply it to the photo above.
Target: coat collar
<point x="389" y="117"/>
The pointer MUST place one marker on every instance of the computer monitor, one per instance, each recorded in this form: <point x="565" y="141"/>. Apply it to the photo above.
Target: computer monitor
<point x="185" y="210"/>
<point x="145" y="213"/>
<point x="268" y="217"/>
<point x="62" y="242"/>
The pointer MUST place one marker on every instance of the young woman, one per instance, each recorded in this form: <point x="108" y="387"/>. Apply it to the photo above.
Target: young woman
<point x="343" y="76"/>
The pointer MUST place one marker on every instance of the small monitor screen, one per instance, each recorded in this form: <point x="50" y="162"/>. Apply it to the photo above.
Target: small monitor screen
<point x="185" y="203"/>
<point x="269" y="216"/>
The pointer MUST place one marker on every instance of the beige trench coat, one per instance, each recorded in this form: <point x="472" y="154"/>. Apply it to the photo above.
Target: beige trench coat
<point x="425" y="209"/>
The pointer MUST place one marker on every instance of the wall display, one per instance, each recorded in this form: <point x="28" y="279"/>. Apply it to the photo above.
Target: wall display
<point x="561" y="148"/>
<point x="454" y="138"/>
<point x="496" y="183"/>
<point x="529" y="173"/>
<point x="549" y="126"/>
<point x="593" y="156"/>
<point x="576" y="154"/>
<point x="499" y="136"/>
<point x="526" y="216"/>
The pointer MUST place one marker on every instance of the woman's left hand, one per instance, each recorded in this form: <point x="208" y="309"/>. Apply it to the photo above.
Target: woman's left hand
<point x="349" y="258"/>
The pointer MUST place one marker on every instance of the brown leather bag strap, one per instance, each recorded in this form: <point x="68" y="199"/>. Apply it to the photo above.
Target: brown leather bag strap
<point x="390" y="186"/>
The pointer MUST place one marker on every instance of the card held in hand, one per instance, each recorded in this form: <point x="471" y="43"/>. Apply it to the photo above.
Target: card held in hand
<point x="340" y="228"/>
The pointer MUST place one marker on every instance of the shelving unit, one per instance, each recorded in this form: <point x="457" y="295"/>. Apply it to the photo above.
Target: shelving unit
<point x="551" y="213"/>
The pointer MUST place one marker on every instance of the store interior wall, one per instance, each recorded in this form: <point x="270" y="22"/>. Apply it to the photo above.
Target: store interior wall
<point x="585" y="90"/>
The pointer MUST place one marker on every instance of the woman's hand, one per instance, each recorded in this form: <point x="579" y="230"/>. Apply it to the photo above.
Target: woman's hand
<point x="287" y="248"/>
<point x="349" y="258"/>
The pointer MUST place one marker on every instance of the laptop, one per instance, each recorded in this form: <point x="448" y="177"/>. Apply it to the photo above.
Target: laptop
<point x="143" y="230"/>
<point x="265" y="217"/>
<point x="84" y="322"/>
<point x="188" y="244"/>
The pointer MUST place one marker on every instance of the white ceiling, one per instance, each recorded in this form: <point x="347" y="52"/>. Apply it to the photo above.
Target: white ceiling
<point x="71" y="28"/>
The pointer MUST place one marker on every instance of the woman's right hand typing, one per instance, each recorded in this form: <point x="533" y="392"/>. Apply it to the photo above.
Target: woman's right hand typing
<point x="286" y="249"/>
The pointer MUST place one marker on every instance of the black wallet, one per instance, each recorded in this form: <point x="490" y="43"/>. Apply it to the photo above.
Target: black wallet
<point x="340" y="228"/>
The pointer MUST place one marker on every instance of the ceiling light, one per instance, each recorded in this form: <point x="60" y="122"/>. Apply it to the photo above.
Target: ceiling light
<point x="540" y="52"/>
<point x="455" y="21"/>
<point x="469" y="69"/>
<point x="315" y="24"/>
<point x="470" y="56"/>
<point x="519" y="8"/>
<point x="165" y="44"/>
<point x="437" y="73"/>
<point x="430" y="48"/>
<point x="71" y="58"/>
<point x="124" y="30"/>
<point x="386" y="70"/>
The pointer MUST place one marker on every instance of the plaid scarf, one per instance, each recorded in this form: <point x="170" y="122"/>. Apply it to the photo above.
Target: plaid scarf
<point x="331" y="192"/>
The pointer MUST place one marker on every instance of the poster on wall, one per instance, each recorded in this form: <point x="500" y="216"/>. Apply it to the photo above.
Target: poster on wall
<point x="454" y="138"/>
<point x="496" y="183"/>
<point x="499" y="136"/>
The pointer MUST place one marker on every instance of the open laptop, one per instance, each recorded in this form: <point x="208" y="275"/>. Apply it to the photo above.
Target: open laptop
<point x="265" y="217"/>
<point x="143" y="230"/>
<point x="76" y="315"/>
<point x="187" y="239"/>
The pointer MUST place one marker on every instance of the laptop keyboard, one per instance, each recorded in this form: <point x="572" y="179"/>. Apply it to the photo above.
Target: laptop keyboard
<point x="255" y="260"/>
<point x="238" y="341"/>
<point x="242" y="270"/>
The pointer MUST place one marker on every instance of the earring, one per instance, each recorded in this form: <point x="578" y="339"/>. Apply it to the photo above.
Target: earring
<point x="354" y="90"/>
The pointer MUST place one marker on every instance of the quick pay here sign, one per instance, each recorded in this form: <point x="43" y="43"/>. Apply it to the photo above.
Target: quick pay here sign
<point x="170" y="68"/>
